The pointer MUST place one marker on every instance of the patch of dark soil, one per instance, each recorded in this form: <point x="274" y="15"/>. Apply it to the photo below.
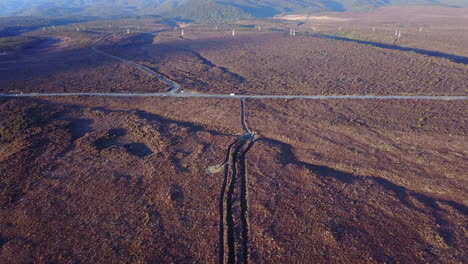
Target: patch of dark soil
<point x="138" y="149"/>
<point x="119" y="247"/>
<point x="178" y="162"/>
<point x="339" y="231"/>
<point x="155" y="220"/>
<point x="177" y="194"/>
<point x="80" y="127"/>
<point x="41" y="44"/>
<point x="3" y="241"/>
<point x="122" y="177"/>
<point x="110" y="139"/>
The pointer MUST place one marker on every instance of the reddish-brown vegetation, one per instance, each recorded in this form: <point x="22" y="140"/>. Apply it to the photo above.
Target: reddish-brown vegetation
<point x="77" y="71"/>
<point x="107" y="184"/>
<point x="169" y="180"/>
<point x="275" y="63"/>
<point x="442" y="29"/>
<point x="62" y="61"/>
<point x="354" y="181"/>
<point x="125" y="179"/>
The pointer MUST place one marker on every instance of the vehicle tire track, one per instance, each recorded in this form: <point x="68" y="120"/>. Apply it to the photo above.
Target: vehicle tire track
<point x="244" y="202"/>
<point x="233" y="206"/>
<point x="225" y="226"/>
<point x="243" y="121"/>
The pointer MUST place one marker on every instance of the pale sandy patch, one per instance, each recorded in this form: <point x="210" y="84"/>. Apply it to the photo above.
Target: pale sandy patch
<point x="327" y="18"/>
<point x="184" y="25"/>
<point x="306" y="17"/>
<point x="64" y="43"/>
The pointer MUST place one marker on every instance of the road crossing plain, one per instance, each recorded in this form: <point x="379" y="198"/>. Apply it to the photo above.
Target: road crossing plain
<point x="112" y="167"/>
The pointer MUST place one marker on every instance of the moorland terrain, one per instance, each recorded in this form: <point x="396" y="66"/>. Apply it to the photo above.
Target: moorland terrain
<point x="171" y="178"/>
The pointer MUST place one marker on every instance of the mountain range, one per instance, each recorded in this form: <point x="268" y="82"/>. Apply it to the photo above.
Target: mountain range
<point x="197" y="10"/>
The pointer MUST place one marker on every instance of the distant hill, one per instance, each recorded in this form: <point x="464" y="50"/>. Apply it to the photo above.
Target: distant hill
<point x="196" y="10"/>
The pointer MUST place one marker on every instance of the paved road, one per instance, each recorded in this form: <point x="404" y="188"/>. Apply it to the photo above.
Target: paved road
<point x="172" y="92"/>
<point x="247" y="96"/>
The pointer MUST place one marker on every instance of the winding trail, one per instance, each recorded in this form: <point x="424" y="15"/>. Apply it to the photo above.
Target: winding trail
<point x="233" y="203"/>
<point x="172" y="92"/>
<point x="243" y="121"/>
<point x="174" y="86"/>
<point x="225" y="215"/>
<point x="234" y="197"/>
